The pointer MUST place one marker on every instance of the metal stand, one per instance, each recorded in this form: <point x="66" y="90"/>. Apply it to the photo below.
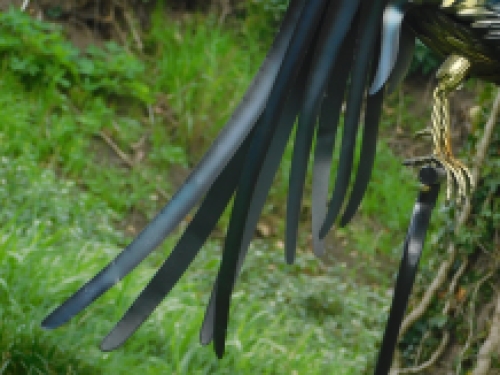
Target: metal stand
<point x="431" y="178"/>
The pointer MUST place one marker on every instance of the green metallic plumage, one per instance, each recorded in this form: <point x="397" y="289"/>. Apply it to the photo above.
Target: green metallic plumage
<point x="466" y="28"/>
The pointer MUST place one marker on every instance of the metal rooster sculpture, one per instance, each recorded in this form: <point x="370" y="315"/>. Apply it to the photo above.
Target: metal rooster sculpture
<point x="326" y="52"/>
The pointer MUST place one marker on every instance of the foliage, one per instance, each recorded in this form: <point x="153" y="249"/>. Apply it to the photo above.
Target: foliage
<point x="476" y="243"/>
<point x="46" y="81"/>
<point x="53" y="237"/>
<point x="263" y="16"/>
<point x="424" y="61"/>
<point x="40" y="55"/>
<point x="204" y="68"/>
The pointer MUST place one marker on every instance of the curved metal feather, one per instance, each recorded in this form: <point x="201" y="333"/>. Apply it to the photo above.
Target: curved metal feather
<point x="224" y="147"/>
<point x="371" y="124"/>
<point x="262" y="187"/>
<point x="370" y="23"/>
<point x="391" y="31"/>
<point x="493" y="5"/>
<point x="398" y="44"/>
<point x="490" y="21"/>
<point x="404" y="60"/>
<point x="329" y="117"/>
<point x="302" y="39"/>
<point x="367" y="156"/>
<point x="204" y="222"/>
<point x="334" y="28"/>
<point x="189" y="245"/>
<point x="409" y="264"/>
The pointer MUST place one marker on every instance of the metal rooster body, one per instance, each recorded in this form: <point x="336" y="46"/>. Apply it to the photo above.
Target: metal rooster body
<point x="463" y="27"/>
<point x="326" y="53"/>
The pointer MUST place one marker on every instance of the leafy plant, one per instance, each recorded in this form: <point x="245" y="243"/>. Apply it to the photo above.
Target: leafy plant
<point x="424" y="60"/>
<point x="39" y="53"/>
<point x="455" y="310"/>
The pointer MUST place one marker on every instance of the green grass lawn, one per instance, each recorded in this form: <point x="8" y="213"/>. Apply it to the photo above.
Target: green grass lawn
<point x="65" y="196"/>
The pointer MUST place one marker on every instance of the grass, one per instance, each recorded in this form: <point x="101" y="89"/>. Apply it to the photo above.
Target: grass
<point x="65" y="197"/>
<point x="59" y="236"/>
<point x="197" y="63"/>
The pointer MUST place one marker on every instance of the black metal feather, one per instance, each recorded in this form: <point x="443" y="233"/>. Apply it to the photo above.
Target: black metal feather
<point x="301" y="40"/>
<point x="200" y="180"/>
<point x="336" y="24"/>
<point x="404" y="60"/>
<point x="263" y="184"/>
<point x="193" y="238"/>
<point x="370" y="23"/>
<point x="373" y="112"/>
<point x="328" y="121"/>
<point x="392" y="28"/>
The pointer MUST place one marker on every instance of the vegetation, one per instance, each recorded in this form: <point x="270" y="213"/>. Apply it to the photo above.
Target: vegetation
<point x="457" y="295"/>
<point x="89" y="142"/>
<point x="424" y="60"/>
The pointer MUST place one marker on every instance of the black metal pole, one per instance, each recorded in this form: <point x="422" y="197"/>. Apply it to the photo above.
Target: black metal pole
<point x="431" y="178"/>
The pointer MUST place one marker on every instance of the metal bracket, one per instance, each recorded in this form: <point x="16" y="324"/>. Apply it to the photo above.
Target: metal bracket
<point x="431" y="178"/>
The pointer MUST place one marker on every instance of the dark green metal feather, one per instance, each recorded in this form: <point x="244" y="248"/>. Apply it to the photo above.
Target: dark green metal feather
<point x="263" y="185"/>
<point x="367" y="157"/>
<point x="294" y="57"/>
<point x="369" y="27"/>
<point x="191" y="242"/>
<point x="336" y="24"/>
<point x="329" y="117"/>
<point x="198" y="183"/>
